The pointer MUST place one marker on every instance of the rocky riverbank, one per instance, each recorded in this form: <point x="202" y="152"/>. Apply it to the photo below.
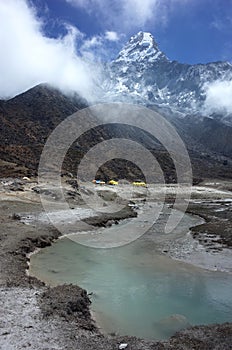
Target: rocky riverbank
<point x="35" y="316"/>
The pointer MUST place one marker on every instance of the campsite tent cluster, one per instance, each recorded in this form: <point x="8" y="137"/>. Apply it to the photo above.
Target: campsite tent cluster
<point x="115" y="182"/>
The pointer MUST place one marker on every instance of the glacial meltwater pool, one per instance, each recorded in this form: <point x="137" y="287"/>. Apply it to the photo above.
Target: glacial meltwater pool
<point x="136" y="290"/>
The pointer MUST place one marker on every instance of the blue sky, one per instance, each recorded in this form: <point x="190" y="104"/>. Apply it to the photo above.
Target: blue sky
<point x="189" y="31"/>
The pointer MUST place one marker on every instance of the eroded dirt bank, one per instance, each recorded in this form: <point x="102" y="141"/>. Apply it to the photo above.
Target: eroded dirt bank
<point x="34" y="316"/>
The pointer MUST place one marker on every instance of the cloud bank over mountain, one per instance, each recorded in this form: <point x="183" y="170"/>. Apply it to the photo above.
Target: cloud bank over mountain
<point x="29" y="57"/>
<point x="218" y="97"/>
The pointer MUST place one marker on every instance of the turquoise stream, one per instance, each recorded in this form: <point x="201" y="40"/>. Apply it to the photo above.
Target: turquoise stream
<point x="137" y="291"/>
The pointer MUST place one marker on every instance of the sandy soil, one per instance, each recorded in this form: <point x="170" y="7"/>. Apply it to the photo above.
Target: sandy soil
<point x="34" y="316"/>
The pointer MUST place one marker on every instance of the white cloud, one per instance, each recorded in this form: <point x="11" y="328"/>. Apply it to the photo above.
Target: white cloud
<point x="129" y="14"/>
<point x="28" y="57"/>
<point x="218" y="97"/>
<point x="222" y="25"/>
<point x="111" y="36"/>
<point x="83" y="3"/>
<point x="217" y="24"/>
<point x="141" y="11"/>
<point x="99" y="40"/>
<point x="95" y="41"/>
<point x="100" y="47"/>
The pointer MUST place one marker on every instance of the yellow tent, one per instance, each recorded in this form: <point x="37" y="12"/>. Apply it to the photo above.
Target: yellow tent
<point x="113" y="182"/>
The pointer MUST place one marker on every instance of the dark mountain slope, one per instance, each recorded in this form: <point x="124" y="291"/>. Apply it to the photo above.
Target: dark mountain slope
<point x="27" y="120"/>
<point x="31" y="116"/>
<point x="211" y="133"/>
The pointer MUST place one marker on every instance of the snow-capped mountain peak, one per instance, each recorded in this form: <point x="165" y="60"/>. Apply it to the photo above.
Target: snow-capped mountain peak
<point x="141" y="46"/>
<point x="144" y="39"/>
<point x="143" y="74"/>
